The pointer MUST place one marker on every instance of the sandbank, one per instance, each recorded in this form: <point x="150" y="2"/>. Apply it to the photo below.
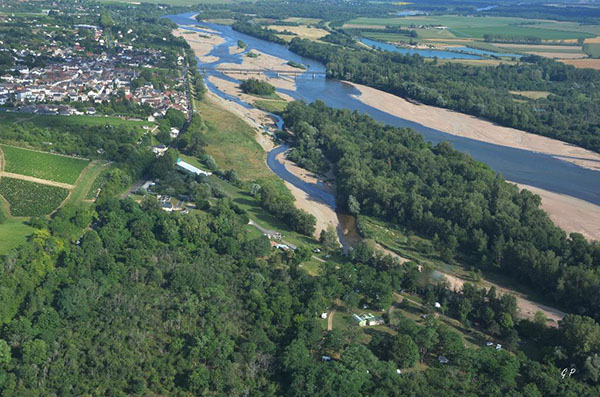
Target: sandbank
<point x="460" y="124"/>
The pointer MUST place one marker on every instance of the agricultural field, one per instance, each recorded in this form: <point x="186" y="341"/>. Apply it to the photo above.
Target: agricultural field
<point x="31" y="199"/>
<point x="42" y="165"/>
<point x="477" y="27"/>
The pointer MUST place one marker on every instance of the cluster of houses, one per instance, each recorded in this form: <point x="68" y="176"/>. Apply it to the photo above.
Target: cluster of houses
<point x="74" y="74"/>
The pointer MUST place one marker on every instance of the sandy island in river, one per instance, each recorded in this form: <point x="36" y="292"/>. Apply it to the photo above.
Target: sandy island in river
<point x="460" y="124"/>
<point x="201" y="43"/>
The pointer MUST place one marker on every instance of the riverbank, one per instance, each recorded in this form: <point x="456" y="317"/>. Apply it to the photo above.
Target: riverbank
<point x="569" y="213"/>
<point x="466" y="126"/>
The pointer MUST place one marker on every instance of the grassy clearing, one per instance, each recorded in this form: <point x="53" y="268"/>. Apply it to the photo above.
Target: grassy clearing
<point x="42" y="165"/>
<point x="271" y="106"/>
<point x="86" y="181"/>
<point x="531" y="94"/>
<point x="232" y="143"/>
<point x="13" y="233"/>
<point x="31" y="199"/>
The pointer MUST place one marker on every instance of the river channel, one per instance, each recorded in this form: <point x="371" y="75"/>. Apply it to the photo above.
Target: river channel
<point x="517" y="165"/>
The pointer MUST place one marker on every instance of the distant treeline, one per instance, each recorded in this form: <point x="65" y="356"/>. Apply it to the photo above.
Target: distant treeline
<point x="258" y="31"/>
<point x="500" y="38"/>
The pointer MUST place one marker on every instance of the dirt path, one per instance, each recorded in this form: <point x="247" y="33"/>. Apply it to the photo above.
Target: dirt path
<point x="36" y="180"/>
<point x="330" y="318"/>
<point x="2" y="161"/>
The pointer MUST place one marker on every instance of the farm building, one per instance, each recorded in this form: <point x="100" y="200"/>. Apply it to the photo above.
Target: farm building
<point x="182" y="165"/>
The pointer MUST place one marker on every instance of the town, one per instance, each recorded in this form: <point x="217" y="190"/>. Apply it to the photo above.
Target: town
<point x="74" y="80"/>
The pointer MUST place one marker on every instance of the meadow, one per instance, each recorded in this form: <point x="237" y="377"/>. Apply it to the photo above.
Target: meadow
<point x="42" y="165"/>
<point x="231" y="141"/>
<point x="31" y="199"/>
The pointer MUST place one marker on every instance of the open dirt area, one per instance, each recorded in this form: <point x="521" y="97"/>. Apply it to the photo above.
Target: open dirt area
<point x="472" y="127"/>
<point x="527" y="308"/>
<point x="324" y="213"/>
<point x="235" y="49"/>
<point x="583" y="63"/>
<point x="569" y="213"/>
<point x="303" y="31"/>
<point x="201" y="43"/>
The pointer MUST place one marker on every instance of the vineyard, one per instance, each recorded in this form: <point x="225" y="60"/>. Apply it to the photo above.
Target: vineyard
<point x="43" y="165"/>
<point x="31" y="199"/>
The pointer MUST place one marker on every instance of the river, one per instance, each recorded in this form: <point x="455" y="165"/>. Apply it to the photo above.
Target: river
<point x="517" y="165"/>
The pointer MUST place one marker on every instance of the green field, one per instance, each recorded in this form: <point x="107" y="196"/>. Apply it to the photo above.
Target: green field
<point x="231" y="141"/>
<point x="592" y="49"/>
<point x="13" y="232"/>
<point x="517" y="30"/>
<point x="42" y="165"/>
<point x="477" y="27"/>
<point x="271" y="106"/>
<point x="382" y="36"/>
<point x="31" y="199"/>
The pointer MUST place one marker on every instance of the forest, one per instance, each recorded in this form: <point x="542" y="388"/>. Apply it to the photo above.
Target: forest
<point x="438" y="192"/>
<point x="147" y="302"/>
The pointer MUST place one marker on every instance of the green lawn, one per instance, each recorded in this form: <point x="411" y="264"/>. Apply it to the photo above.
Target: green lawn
<point x="271" y="106"/>
<point x="13" y="233"/>
<point x="31" y="199"/>
<point x="42" y="165"/>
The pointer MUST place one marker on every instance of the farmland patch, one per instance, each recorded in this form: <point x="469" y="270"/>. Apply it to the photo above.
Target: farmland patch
<point x="42" y="165"/>
<point x="31" y="199"/>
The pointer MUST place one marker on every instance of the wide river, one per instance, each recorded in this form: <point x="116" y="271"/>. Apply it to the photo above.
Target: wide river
<point x="517" y="165"/>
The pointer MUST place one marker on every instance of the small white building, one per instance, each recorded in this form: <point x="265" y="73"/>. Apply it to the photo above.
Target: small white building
<point x="182" y="165"/>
